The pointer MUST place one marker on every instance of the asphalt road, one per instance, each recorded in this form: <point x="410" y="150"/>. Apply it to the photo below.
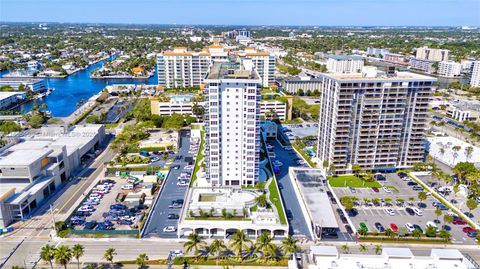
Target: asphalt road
<point x="158" y="220"/>
<point x="298" y="224"/>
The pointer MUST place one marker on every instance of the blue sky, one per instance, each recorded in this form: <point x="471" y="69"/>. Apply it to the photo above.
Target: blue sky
<point x="247" y="12"/>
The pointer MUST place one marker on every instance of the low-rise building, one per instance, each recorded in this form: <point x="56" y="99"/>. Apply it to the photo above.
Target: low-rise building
<point x="449" y="69"/>
<point x="377" y="51"/>
<point x="461" y="114"/>
<point x="426" y="66"/>
<point x="179" y="104"/>
<point x="35" y="85"/>
<point x="269" y="129"/>
<point x="344" y="64"/>
<point x="7" y="99"/>
<point x="328" y="257"/>
<point x="35" y="167"/>
<point x="271" y="109"/>
<point x="304" y="83"/>
<point x="394" y="58"/>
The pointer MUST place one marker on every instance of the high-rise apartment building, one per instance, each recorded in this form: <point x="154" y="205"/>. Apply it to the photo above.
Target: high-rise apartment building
<point x="374" y="120"/>
<point x="232" y="128"/>
<point x="436" y="55"/>
<point x="183" y="68"/>
<point x="475" y="77"/>
<point x="449" y="69"/>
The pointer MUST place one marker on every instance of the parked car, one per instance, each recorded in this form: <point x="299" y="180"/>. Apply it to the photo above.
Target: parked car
<point x="432" y="224"/>
<point x="458" y="221"/>
<point x="363" y="226"/>
<point x="472" y="234"/>
<point x="127" y="187"/>
<point x="375" y="189"/>
<point x="348" y="229"/>
<point x="169" y="229"/>
<point x="409" y="227"/>
<point x="120" y="197"/>
<point x="118" y="206"/>
<point x="417" y="227"/>
<point x="394" y="227"/>
<point x="379" y="227"/>
<point x="176" y="253"/>
<point x="410" y="211"/>
<point x="417" y="211"/>
<point x="379" y="177"/>
<point x="390" y="211"/>
<point x="352" y="189"/>
<point x="89" y="225"/>
<point x="289" y="214"/>
<point x="468" y="229"/>
<point x="172" y="216"/>
<point x="182" y="183"/>
<point x="411" y="183"/>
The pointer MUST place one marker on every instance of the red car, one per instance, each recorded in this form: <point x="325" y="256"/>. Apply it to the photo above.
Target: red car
<point x="394" y="227"/>
<point x="375" y="189"/>
<point x="459" y="222"/>
<point x="468" y="230"/>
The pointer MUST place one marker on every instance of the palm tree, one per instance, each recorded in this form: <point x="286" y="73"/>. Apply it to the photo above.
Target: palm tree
<point x="77" y="252"/>
<point x="445" y="235"/>
<point x="265" y="244"/>
<point x="141" y="260"/>
<point x="438" y="212"/>
<point x="109" y="254"/>
<point x="447" y="219"/>
<point x="389" y="232"/>
<point x="261" y="200"/>
<point x="239" y="241"/>
<point x="47" y="254"/>
<point x="194" y="241"/>
<point x="289" y="245"/>
<point x="363" y="248"/>
<point x="345" y="248"/>
<point x="422" y="196"/>
<point x="216" y="248"/>
<point x="417" y="233"/>
<point x="378" y="249"/>
<point x="63" y="255"/>
<point x="468" y="152"/>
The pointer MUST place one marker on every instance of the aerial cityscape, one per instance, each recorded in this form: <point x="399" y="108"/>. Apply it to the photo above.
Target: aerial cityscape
<point x="164" y="137"/>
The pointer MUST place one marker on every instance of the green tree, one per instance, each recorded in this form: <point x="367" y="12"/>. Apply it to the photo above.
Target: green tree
<point x="462" y="169"/>
<point x="77" y="252"/>
<point x="347" y="202"/>
<point x="417" y="233"/>
<point x="63" y="255"/>
<point x="469" y="151"/>
<point x="445" y="235"/>
<point x="216" y="248"/>
<point x="356" y="169"/>
<point x="389" y="232"/>
<point x="438" y="212"/>
<point x="422" y="196"/>
<point x="47" y="254"/>
<point x="141" y="260"/>
<point x="265" y="243"/>
<point x="378" y="249"/>
<point x="239" y="242"/>
<point x="289" y="245"/>
<point x="7" y="127"/>
<point x="447" y="218"/>
<point x="362" y="248"/>
<point x="471" y="204"/>
<point x="262" y="200"/>
<point x="345" y="248"/>
<point x="431" y="231"/>
<point x="109" y="254"/>
<point x="194" y="242"/>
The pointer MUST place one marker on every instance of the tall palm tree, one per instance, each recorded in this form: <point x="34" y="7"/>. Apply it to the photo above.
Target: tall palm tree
<point x="194" y="241"/>
<point x="265" y="244"/>
<point x="216" y="248"/>
<point x="345" y="248"/>
<point x="109" y="254"/>
<point x="289" y="245"/>
<point x="77" y="252"/>
<point x="378" y="249"/>
<point x="63" y="255"/>
<point x="141" y="260"/>
<point x="47" y="254"/>
<point x="363" y="248"/>
<point x="261" y="200"/>
<point x="239" y="241"/>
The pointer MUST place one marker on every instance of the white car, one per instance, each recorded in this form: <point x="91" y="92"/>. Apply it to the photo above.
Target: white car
<point x="127" y="187"/>
<point x="431" y="223"/>
<point x="86" y="208"/>
<point x="95" y="195"/>
<point x="407" y="179"/>
<point x="417" y="211"/>
<point x="169" y="229"/>
<point x="387" y="190"/>
<point x="390" y="211"/>
<point x="177" y="253"/>
<point x="409" y="227"/>
<point x="182" y="183"/>
<point x="277" y="163"/>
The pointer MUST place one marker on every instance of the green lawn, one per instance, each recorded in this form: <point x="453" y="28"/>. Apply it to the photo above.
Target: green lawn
<point x="304" y="155"/>
<point x="275" y="199"/>
<point x="351" y="181"/>
<point x="199" y="158"/>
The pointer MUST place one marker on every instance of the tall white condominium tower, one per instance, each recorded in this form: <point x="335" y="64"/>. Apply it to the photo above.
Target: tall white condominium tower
<point x="475" y="78"/>
<point x="232" y="129"/>
<point x="374" y="119"/>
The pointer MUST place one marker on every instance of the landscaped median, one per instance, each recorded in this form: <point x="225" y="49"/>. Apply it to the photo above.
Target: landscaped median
<point x="351" y="181"/>
<point x="276" y="200"/>
<point x="199" y="158"/>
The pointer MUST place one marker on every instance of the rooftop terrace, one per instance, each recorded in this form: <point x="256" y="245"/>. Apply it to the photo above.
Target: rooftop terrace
<point x="231" y="70"/>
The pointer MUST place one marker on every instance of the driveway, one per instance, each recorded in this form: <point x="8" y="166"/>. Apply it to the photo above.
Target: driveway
<point x="170" y="192"/>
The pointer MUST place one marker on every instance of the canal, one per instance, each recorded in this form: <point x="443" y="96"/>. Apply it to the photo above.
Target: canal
<point x="74" y="88"/>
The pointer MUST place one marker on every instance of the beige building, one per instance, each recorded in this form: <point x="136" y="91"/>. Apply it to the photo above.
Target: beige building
<point x="436" y="55"/>
<point x="374" y="120"/>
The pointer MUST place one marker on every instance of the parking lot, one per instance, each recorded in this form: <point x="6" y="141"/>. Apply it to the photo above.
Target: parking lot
<point x="171" y="192"/>
<point x="371" y="213"/>
<point x="301" y="130"/>
<point x="108" y="206"/>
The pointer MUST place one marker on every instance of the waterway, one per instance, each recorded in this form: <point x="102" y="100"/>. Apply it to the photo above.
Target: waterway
<point x="74" y="88"/>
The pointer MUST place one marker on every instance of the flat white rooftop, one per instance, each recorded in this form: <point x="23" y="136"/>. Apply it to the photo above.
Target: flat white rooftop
<point x="399" y="76"/>
<point x="5" y="95"/>
<point x="23" y="157"/>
